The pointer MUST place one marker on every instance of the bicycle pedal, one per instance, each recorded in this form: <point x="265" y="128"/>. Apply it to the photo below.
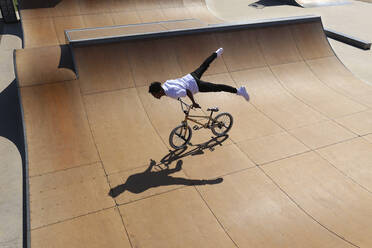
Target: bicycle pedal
<point x="196" y="127"/>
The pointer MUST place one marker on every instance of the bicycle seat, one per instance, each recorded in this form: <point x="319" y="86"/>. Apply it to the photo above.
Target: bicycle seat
<point x="215" y="109"/>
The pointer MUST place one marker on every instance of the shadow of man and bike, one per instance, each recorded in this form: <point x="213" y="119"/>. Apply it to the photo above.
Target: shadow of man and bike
<point x="158" y="174"/>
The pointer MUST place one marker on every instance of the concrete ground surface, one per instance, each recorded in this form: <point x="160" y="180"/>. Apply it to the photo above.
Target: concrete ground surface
<point x="11" y="162"/>
<point x="295" y="167"/>
<point x="11" y="195"/>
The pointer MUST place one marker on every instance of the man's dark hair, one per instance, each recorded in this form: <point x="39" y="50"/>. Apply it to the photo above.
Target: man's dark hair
<point x="155" y="87"/>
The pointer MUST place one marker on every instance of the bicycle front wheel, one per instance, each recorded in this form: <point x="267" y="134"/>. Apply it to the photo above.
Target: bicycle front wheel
<point x="222" y="123"/>
<point x="180" y="136"/>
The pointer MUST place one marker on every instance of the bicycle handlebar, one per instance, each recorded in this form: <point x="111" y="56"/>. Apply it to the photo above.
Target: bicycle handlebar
<point x="187" y="105"/>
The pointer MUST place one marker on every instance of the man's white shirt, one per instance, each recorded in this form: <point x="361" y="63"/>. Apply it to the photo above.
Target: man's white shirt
<point x="176" y="88"/>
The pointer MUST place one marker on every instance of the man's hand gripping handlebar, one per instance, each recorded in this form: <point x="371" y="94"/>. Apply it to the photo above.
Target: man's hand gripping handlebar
<point x="187" y="107"/>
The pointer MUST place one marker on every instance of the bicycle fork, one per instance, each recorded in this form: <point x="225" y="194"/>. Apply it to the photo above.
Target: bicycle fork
<point x="183" y="132"/>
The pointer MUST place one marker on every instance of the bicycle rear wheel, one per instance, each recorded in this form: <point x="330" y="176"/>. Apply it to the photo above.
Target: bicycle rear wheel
<point x="180" y="136"/>
<point x="222" y="123"/>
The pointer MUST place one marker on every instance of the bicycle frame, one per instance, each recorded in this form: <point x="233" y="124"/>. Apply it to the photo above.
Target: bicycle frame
<point x="187" y="115"/>
<point x="182" y="133"/>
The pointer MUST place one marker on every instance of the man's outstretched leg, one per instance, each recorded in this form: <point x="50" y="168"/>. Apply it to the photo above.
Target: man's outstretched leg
<point x="198" y="73"/>
<point x="211" y="87"/>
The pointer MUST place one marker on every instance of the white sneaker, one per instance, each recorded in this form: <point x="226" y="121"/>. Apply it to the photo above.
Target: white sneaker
<point x="219" y="52"/>
<point x="243" y="92"/>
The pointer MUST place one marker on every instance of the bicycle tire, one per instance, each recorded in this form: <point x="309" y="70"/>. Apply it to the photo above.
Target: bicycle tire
<point x="185" y="136"/>
<point x="216" y="125"/>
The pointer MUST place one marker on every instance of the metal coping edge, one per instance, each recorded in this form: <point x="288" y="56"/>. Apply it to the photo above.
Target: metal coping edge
<point x="25" y="174"/>
<point x="211" y="28"/>
<point x="348" y="39"/>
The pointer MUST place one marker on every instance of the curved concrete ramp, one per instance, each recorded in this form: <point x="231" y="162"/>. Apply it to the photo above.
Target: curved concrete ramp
<point x="44" y="22"/>
<point x="295" y="166"/>
<point x="57" y="65"/>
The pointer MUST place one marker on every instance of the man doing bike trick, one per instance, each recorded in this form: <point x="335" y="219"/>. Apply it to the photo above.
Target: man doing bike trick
<point x="192" y="84"/>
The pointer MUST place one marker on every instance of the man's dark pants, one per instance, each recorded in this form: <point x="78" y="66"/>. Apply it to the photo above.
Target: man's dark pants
<point x="207" y="86"/>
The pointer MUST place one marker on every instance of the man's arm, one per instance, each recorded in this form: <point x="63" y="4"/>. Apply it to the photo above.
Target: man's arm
<point x="194" y="104"/>
<point x="152" y="164"/>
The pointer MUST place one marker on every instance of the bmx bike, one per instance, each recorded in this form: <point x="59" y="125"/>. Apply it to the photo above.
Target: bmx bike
<point x="181" y="135"/>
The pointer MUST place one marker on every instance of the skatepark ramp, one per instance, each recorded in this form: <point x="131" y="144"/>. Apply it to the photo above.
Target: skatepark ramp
<point x="295" y="166"/>
<point x="44" y="22"/>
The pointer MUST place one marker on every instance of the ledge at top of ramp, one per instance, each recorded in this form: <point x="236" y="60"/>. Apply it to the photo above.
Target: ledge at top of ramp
<point x="89" y="36"/>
